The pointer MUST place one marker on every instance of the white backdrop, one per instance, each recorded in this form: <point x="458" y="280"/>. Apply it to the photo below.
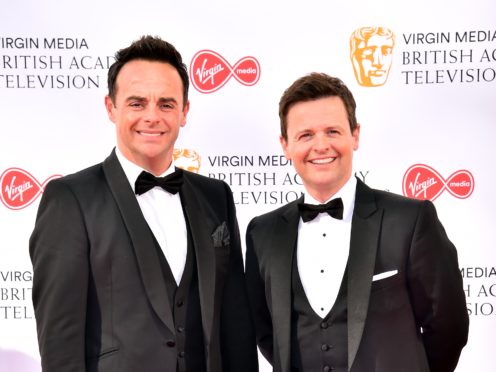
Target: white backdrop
<point x="53" y="63"/>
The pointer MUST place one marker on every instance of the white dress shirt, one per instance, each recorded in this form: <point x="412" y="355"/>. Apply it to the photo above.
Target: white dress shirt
<point x="322" y="251"/>
<point x="164" y="214"/>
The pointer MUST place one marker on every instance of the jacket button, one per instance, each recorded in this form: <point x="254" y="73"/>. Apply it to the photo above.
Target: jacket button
<point x="324" y="347"/>
<point x="179" y="303"/>
<point x="170" y="343"/>
<point x="323" y="325"/>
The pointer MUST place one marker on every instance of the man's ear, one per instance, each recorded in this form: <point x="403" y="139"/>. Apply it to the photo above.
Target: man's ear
<point x="356" y="137"/>
<point x="109" y="105"/>
<point x="185" y="114"/>
<point x="284" y="145"/>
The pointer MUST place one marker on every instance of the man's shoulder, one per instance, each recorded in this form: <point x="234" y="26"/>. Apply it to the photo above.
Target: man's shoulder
<point x="393" y="198"/>
<point x="399" y="205"/>
<point x="387" y="198"/>
<point x="85" y="175"/>
<point x="87" y="181"/>
<point x="267" y="219"/>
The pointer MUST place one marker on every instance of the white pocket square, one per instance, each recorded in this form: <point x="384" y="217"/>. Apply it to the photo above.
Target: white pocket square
<point x="384" y="275"/>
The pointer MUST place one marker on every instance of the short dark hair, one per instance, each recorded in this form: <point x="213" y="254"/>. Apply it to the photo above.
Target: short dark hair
<point x="148" y="48"/>
<point x="312" y="87"/>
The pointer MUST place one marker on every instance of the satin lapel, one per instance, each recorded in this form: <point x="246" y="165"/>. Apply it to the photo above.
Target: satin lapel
<point x="141" y="238"/>
<point x="365" y="229"/>
<point x="209" y="273"/>
<point x="283" y="244"/>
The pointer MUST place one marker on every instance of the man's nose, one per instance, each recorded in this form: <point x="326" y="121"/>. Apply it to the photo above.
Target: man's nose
<point x="321" y="143"/>
<point x="151" y="114"/>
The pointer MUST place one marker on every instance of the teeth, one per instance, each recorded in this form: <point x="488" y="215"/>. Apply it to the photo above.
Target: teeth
<point x="150" y="134"/>
<point x="322" y="161"/>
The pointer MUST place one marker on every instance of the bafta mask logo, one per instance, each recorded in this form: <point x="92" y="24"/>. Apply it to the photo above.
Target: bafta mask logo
<point x="187" y="159"/>
<point x="371" y="53"/>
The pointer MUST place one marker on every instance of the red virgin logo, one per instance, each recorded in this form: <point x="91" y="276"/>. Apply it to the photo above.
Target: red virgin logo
<point x="209" y="71"/>
<point x="423" y="182"/>
<point x="19" y="188"/>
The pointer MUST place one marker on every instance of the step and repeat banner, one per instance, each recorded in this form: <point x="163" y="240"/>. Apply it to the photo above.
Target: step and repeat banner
<point x="423" y="75"/>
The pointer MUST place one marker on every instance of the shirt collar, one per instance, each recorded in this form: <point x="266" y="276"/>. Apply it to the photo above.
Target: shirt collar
<point x="347" y="195"/>
<point x="132" y="171"/>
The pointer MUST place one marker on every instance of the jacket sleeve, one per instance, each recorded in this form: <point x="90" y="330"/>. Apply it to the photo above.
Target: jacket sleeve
<point x="58" y="251"/>
<point x="239" y="350"/>
<point x="436" y="291"/>
<point x="256" y="294"/>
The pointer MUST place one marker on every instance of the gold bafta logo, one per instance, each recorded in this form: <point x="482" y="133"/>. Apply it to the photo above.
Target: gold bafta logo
<point x="371" y="53"/>
<point x="187" y="159"/>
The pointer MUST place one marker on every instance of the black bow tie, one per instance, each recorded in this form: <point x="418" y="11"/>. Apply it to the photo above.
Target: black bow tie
<point x="170" y="183"/>
<point x="309" y="211"/>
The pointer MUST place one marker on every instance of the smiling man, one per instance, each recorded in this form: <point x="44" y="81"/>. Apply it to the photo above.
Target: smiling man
<point x="348" y="278"/>
<point x="137" y="264"/>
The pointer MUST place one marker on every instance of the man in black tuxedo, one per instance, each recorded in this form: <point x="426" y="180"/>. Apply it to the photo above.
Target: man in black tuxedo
<point x="354" y="279"/>
<point x="134" y="272"/>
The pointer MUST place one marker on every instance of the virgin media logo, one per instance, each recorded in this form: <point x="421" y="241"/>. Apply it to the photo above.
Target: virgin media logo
<point x="423" y="182"/>
<point x="19" y="188"/>
<point x="209" y="71"/>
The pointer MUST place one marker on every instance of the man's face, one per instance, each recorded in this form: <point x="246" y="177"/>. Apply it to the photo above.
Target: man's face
<point x="372" y="60"/>
<point x="321" y="145"/>
<point x="148" y="113"/>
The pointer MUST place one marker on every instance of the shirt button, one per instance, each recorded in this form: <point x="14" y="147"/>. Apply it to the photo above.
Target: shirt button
<point x="182" y="354"/>
<point x="326" y="369"/>
<point x="180" y="329"/>
<point x="179" y="303"/>
<point x="170" y="343"/>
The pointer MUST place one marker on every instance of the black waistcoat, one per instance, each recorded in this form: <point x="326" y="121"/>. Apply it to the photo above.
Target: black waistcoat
<point x="186" y="311"/>
<point x="318" y="344"/>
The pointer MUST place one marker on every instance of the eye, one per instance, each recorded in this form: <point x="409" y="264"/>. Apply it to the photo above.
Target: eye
<point x="135" y="104"/>
<point x="304" y="136"/>
<point x="167" y="106"/>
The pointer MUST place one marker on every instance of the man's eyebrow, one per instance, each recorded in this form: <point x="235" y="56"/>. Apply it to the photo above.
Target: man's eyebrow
<point x="135" y="98"/>
<point x="160" y="100"/>
<point x="167" y="99"/>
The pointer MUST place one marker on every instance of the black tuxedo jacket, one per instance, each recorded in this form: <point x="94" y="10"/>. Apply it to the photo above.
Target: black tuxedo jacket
<point x="98" y="291"/>
<point x="414" y="321"/>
